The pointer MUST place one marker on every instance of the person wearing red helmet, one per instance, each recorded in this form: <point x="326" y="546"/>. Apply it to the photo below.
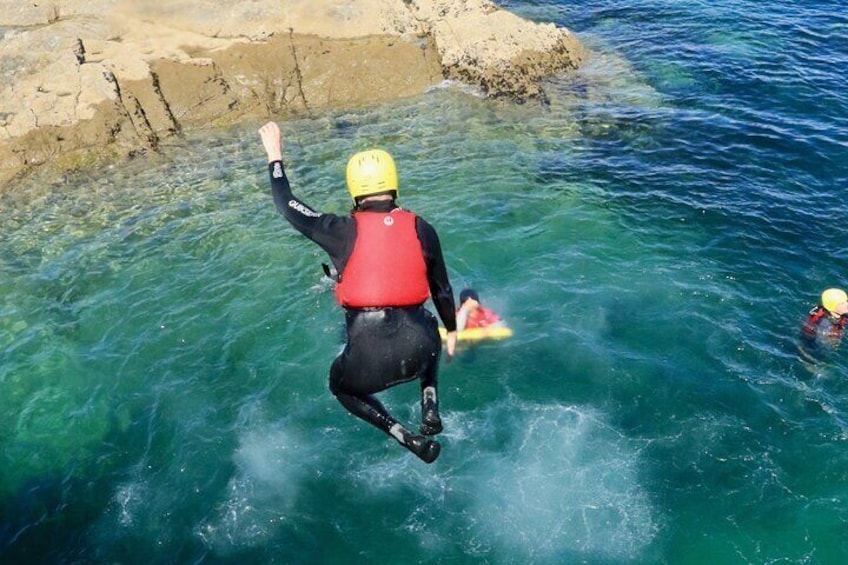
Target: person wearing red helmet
<point x="388" y="262"/>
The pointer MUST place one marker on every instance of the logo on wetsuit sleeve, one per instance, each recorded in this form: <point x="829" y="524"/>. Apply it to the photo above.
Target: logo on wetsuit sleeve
<point x="297" y="206"/>
<point x="278" y="171"/>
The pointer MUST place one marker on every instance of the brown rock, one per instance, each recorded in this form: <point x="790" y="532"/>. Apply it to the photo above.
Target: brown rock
<point x="87" y="81"/>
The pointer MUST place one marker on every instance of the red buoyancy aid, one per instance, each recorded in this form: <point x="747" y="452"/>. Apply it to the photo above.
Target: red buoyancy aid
<point x="481" y="317"/>
<point x="386" y="267"/>
<point x="816" y="316"/>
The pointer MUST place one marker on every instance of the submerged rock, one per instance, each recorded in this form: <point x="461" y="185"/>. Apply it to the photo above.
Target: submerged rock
<point x="88" y="81"/>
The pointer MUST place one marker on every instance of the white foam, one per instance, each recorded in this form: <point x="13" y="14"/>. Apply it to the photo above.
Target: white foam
<point x="543" y="482"/>
<point x="564" y="483"/>
<point x="272" y="465"/>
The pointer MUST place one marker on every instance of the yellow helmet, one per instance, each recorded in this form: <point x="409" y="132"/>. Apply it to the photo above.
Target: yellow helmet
<point x="371" y="172"/>
<point x="832" y="298"/>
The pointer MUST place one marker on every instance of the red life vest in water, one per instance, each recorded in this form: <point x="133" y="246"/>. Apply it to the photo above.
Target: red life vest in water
<point x="481" y="317"/>
<point x="386" y="267"/>
<point x="816" y="316"/>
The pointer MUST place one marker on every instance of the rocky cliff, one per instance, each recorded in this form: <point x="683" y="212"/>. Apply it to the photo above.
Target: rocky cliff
<point x="86" y="81"/>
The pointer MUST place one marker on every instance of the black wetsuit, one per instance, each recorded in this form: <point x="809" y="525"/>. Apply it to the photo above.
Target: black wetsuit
<point x="385" y="346"/>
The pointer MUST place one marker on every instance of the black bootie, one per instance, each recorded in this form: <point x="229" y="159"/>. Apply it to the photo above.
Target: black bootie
<point x="431" y="422"/>
<point x="425" y="449"/>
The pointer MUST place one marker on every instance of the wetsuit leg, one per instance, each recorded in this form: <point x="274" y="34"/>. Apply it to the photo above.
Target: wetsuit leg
<point x="431" y="422"/>
<point x="386" y="348"/>
<point x="363" y="406"/>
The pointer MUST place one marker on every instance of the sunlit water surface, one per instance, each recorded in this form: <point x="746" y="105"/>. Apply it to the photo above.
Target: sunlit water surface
<point x="654" y="235"/>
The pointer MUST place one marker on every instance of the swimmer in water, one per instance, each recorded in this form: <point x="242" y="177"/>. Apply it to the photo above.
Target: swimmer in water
<point x="827" y="320"/>
<point x="389" y="261"/>
<point x="472" y="314"/>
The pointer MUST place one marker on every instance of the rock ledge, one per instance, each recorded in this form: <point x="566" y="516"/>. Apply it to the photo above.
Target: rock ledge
<point x="93" y="80"/>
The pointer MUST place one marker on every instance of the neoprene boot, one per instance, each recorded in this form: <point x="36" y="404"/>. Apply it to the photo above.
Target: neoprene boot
<point x="425" y="449"/>
<point x="431" y="422"/>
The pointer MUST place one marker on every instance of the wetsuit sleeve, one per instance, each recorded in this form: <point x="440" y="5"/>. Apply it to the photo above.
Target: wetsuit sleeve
<point x="437" y="274"/>
<point x="334" y="234"/>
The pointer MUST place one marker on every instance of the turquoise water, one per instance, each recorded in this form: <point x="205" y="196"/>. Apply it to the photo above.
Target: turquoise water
<point x="654" y="235"/>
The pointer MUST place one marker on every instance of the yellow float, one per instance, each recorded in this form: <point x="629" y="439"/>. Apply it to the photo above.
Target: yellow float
<point x="479" y="334"/>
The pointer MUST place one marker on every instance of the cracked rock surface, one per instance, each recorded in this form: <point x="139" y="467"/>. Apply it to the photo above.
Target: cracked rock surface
<point x="87" y="81"/>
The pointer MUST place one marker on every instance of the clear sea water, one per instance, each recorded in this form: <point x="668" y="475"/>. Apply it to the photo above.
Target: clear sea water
<point x="655" y="236"/>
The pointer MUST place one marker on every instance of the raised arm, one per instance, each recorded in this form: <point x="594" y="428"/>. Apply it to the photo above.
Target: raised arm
<point x="334" y="234"/>
<point x="272" y="140"/>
